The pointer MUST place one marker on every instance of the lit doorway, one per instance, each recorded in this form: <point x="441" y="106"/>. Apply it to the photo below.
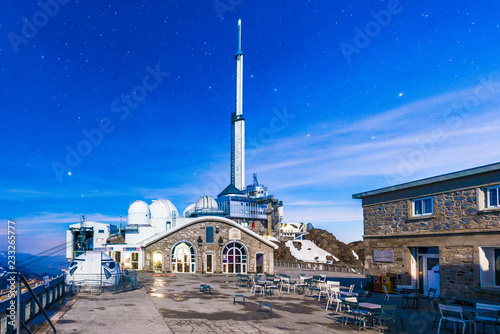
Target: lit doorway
<point x="259" y="263"/>
<point x="158" y="262"/>
<point x="183" y="258"/>
<point x="428" y="269"/>
<point x="210" y="261"/>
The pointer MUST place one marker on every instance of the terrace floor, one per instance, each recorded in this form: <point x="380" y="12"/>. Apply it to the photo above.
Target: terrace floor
<point x="176" y="305"/>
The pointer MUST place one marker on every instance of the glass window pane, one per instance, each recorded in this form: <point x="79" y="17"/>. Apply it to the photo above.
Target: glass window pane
<point x="428" y="205"/>
<point x="418" y="207"/>
<point x="493" y="197"/>
<point x="209" y="234"/>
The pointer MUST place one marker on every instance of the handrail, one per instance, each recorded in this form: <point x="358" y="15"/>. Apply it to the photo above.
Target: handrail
<point x="26" y="284"/>
<point x="346" y="268"/>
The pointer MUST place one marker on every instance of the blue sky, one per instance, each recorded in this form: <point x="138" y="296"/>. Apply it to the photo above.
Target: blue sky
<point x="339" y="98"/>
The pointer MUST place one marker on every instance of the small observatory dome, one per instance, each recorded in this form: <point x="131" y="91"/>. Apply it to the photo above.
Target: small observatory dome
<point x="163" y="215"/>
<point x="188" y="211"/>
<point x="206" y="203"/>
<point x="163" y="209"/>
<point x="138" y="213"/>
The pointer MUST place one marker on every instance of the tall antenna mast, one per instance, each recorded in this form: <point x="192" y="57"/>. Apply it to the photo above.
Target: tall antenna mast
<point x="238" y="124"/>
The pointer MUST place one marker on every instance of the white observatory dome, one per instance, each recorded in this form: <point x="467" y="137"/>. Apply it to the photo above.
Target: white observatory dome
<point x="138" y="213"/>
<point x="163" y="215"/>
<point x="206" y="203"/>
<point x="163" y="209"/>
<point x="188" y="211"/>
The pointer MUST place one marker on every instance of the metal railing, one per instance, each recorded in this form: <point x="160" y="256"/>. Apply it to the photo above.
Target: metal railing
<point x="127" y="281"/>
<point x="332" y="267"/>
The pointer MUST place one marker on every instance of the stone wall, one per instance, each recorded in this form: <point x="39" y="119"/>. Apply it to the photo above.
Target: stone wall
<point x="383" y="268"/>
<point x="458" y="227"/>
<point x="457" y="210"/>
<point x="458" y="261"/>
<point x="458" y="273"/>
<point x="192" y="232"/>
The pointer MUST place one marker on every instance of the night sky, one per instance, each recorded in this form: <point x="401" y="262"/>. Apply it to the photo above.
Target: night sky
<point x="107" y="102"/>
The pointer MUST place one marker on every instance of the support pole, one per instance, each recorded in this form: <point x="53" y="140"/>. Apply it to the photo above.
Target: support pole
<point x="26" y="284"/>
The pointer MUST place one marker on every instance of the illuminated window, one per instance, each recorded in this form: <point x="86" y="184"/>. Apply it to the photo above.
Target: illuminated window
<point x="234" y="258"/>
<point x="183" y="258"/>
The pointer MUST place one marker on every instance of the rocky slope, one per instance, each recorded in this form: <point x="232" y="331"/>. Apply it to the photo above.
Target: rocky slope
<point x="327" y="241"/>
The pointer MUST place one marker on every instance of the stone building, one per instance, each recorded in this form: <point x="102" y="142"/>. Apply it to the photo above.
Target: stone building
<point x="441" y="232"/>
<point x="209" y="245"/>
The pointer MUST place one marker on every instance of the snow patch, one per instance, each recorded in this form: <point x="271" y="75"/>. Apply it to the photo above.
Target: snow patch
<point x="355" y="255"/>
<point x="308" y="252"/>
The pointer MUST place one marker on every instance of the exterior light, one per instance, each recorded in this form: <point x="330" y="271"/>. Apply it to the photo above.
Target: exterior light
<point x="200" y="242"/>
<point x="221" y="242"/>
<point x="217" y="229"/>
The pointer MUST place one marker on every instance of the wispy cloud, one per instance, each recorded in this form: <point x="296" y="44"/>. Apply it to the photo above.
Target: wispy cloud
<point x="425" y="138"/>
<point x="427" y="135"/>
<point x="40" y="231"/>
<point x="56" y="219"/>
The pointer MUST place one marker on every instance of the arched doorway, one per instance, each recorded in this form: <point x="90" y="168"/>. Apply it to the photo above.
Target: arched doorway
<point x="234" y="258"/>
<point x="183" y="258"/>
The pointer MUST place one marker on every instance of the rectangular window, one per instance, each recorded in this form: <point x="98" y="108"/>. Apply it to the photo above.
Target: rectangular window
<point x="493" y="198"/>
<point x="422" y="206"/>
<point x="209" y="234"/>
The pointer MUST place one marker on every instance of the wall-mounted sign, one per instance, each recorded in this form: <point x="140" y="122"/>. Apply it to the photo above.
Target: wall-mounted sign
<point x="383" y="255"/>
<point x="234" y="234"/>
<point x="131" y="249"/>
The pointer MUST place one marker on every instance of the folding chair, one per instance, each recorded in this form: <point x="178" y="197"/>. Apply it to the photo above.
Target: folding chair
<point x="454" y="314"/>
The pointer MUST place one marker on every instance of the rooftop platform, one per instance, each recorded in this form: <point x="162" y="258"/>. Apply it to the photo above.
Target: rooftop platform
<point x="176" y="305"/>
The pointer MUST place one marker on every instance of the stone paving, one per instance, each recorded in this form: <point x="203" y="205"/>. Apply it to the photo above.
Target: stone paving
<point x="176" y="305"/>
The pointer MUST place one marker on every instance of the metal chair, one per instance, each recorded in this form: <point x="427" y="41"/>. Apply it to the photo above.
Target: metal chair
<point x="454" y="314"/>
<point x="431" y="294"/>
<point x="386" y="314"/>
<point x="286" y="284"/>
<point x="389" y="296"/>
<point x="490" y="315"/>
<point x="303" y="285"/>
<point x="258" y="287"/>
<point x="333" y="298"/>
<point x="351" y="309"/>
<point x="323" y="290"/>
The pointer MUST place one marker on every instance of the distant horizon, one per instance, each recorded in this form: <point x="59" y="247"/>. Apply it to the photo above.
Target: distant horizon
<point x="108" y="103"/>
